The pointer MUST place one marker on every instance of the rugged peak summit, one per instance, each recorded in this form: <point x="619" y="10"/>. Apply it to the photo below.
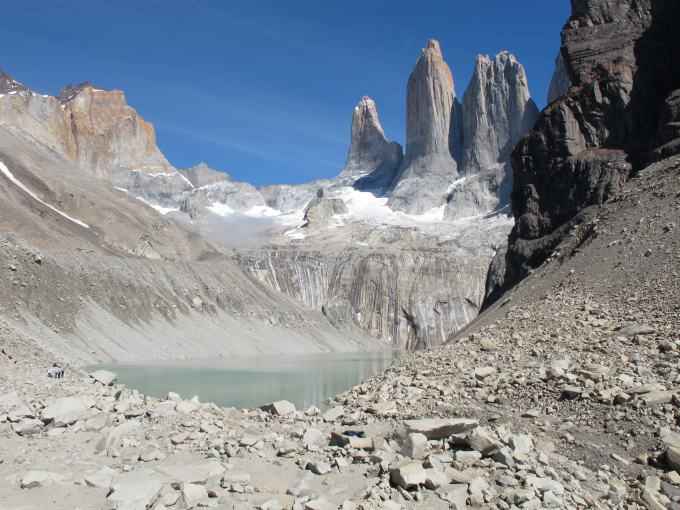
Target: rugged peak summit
<point x="372" y="158"/>
<point x="431" y="123"/>
<point x="497" y="111"/>
<point x="69" y="92"/>
<point x="433" y="45"/>
<point x="9" y="84"/>
<point x="430" y="98"/>
<point x="203" y="175"/>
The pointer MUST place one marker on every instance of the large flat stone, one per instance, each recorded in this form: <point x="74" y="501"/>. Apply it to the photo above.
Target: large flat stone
<point x="65" y="411"/>
<point x="440" y="428"/>
<point x="190" y="472"/>
<point x="13" y="405"/>
<point x="136" y="490"/>
<point x="104" y="377"/>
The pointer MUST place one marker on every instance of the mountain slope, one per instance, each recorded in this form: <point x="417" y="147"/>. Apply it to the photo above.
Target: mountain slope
<point x="92" y="273"/>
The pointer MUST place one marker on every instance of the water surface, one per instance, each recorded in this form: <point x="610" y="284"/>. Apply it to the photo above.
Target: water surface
<point x="251" y="382"/>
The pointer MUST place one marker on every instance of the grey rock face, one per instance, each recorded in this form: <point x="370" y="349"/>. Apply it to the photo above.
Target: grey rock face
<point x="372" y="160"/>
<point x="560" y="82"/>
<point x="429" y="166"/>
<point x="202" y="175"/>
<point x="497" y="112"/>
<point x="230" y="196"/>
<point x="287" y="198"/>
<point x="410" y="298"/>
<point x="161" y="188"/>
<point x="321" y="209"/>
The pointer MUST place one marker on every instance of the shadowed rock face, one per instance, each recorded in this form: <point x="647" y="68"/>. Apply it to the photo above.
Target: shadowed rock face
<point x="372" y="160"/>
<point x="429" y="166"/>
<point x="612" y="121"/>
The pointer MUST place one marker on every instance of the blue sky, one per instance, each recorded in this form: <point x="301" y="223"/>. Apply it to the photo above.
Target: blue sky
<point x="265" y="89"/>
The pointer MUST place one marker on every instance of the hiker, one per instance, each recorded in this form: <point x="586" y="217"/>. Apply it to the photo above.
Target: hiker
<point x="55" y="372"/>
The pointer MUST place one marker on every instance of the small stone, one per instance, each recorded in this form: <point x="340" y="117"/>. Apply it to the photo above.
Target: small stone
<point x="571" y="392"/>
<point x="319" y="468"/>
<point x="482" y="373"/>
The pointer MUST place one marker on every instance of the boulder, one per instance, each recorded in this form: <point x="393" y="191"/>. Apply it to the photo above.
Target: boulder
<point x="135" y="490"/>
<point x="313" y="439"/>
<point x="440" y="428"/>
<point x="12" y="405"/>
<point x="104" y="377"/>
<point x="111" y="438"/>
<point x="320" y="504"/>
<point x="319" y="468"/>
<point x="37" y="478"/>
<point x="65" y="411"/>
<point x="408" y="476"/>
<point x="197" y="472"/>
<point x="454" y="494"/>
<point x="415" y="446"/>
<point x="334" y="414"/>
<point x="280" y="408"/>
<point x="101" y="479"/>
<point x="28" y="427"/>
<point x="193" y="495"/>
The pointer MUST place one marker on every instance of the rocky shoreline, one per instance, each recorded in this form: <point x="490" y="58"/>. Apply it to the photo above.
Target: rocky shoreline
<point x="437" y="430"/>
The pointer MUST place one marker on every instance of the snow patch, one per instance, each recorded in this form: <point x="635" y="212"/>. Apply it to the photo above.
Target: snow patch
<point x="6" y="172"/>
<point x="258" y="212"/>
<point x="157" y="207"/>
<point x="221" y="209"/>
<point x="118" y="188"/>
<point x="367" y="207"/>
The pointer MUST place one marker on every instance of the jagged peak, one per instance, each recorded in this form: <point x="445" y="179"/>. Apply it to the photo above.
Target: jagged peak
<point x="8" y="84"/>
<point x="366" y="119"/>
<point x="365" y="101"/>
<point x="70" y="91"/>
<point x="502" y="58"/>
<point x="433" y="46"/>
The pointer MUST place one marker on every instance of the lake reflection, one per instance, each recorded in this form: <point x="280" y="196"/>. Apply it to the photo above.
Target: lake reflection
<point x="251" y="382"/>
